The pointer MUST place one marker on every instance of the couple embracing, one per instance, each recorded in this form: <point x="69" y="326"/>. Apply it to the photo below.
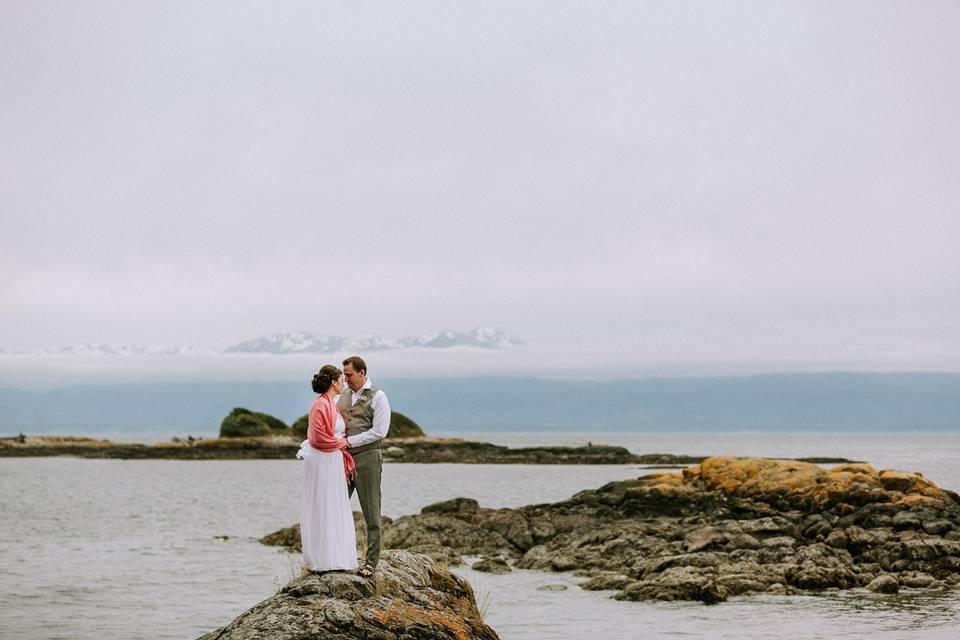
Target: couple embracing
<point x="342" y="455"/>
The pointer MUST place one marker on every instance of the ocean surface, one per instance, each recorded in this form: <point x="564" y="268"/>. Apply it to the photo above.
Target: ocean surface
<point x="168" y="549"/>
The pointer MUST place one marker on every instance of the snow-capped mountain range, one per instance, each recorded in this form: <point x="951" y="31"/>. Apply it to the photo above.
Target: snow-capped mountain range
<point x="297" y="342"/>
<point x="483" y="338"/>
<point x="117" y="350"/>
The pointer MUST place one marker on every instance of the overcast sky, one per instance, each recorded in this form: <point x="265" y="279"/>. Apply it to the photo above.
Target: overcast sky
<point x="688" y="187"/>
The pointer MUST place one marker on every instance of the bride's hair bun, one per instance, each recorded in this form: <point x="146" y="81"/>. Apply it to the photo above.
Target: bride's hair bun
<point x="324" y="378"/>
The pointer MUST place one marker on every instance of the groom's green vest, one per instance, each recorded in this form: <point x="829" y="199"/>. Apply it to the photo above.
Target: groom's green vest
<point x="358" y="417"/>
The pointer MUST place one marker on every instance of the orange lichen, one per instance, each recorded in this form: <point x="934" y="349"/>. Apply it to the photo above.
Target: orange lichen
<point x="400" y="615"/>
<point x="664" y="478"/>
<point x="691" y="473"/>
<point x="807" y="485"/>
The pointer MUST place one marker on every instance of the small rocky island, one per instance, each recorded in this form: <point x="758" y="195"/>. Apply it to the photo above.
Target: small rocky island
<point x="411" y="596"/>
<point x="254" y="435"/>
<point x="423" y="450"/>
<point x="725" y="527"/>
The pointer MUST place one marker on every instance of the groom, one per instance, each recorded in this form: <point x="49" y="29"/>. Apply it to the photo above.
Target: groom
<point x="366" y="412"/>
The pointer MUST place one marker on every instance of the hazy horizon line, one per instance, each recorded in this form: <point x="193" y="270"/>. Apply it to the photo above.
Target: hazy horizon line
<point x="543" y="378"/>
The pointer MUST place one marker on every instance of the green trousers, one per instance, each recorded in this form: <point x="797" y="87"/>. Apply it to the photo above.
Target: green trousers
<point x="367" y="485"/>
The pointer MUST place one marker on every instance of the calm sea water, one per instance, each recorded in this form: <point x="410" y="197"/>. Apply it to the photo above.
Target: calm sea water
<point x="110" y="548"/>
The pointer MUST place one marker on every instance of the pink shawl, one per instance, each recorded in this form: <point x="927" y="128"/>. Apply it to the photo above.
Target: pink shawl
<point x="320" y="424"/>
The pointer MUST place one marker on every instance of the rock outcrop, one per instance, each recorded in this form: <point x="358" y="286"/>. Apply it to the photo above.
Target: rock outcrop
<point x="726" y="527"/>
<point x="410" y="596"/>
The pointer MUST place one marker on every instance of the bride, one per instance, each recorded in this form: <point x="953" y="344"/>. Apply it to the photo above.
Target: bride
<point x="326" y="520"/>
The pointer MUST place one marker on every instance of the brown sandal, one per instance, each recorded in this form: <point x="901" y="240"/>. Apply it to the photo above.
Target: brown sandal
<point x="365" y="571"/>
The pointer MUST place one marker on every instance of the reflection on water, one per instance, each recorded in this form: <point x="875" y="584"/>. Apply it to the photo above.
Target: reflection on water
<point x="905" y="611"/>
<point x="108" y="548"/>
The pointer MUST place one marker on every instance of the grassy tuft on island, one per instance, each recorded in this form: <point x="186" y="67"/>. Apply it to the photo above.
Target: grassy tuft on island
<point x="243" y="423"/>
<point x="299" y="428"/>
<point x="403" y="427"/>
<point x="277" y="426"/>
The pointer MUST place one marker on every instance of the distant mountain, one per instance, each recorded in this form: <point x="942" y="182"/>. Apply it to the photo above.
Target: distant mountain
<point x="864" y="402"/>
<point x="483" y="337"/>
<point x="298" y="342"/>
<point x="295" y="342"/>
<point x="119" y="350"/>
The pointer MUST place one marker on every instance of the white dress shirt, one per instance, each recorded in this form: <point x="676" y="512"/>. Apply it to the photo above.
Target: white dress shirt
<point x="381" y="417"/>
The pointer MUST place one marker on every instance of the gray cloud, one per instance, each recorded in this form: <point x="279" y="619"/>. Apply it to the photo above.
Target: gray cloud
<point x="697" y="187"/>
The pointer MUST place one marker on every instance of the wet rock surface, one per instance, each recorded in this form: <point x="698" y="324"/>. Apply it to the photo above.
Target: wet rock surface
<point x="410" y="596"/>
<point x="492" y="565"/>
<point x="726" y="527"/>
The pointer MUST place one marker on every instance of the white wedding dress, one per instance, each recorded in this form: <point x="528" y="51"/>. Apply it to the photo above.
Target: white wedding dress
<point x="326" y="519"/>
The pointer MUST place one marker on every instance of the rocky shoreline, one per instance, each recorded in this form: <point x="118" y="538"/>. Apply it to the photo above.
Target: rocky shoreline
<point x="722" y="528"/>
<point x="272" y="447"/>
<point x="425" y="450"/>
